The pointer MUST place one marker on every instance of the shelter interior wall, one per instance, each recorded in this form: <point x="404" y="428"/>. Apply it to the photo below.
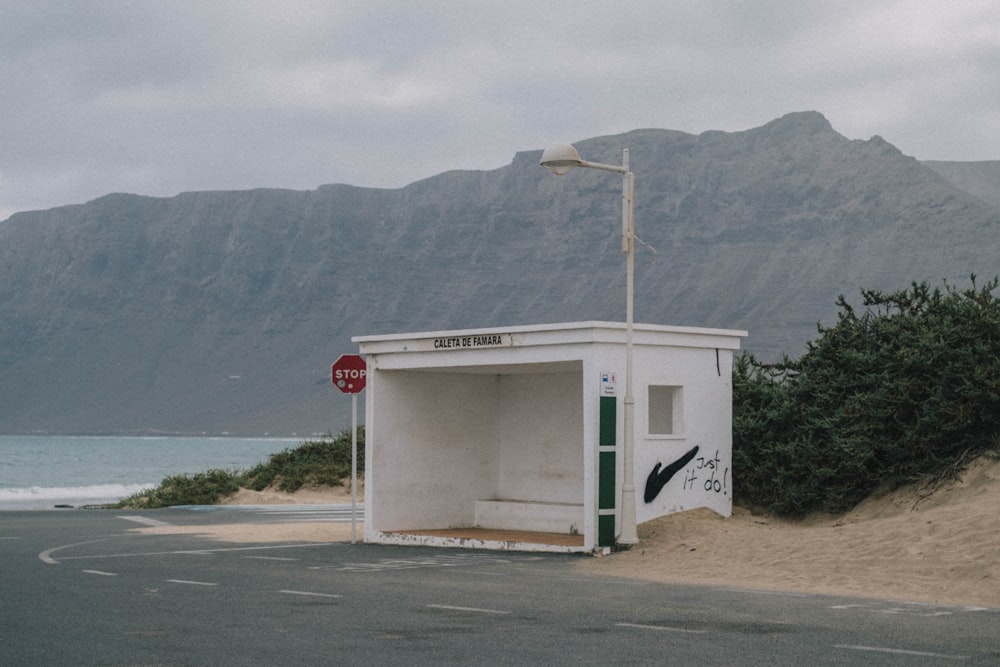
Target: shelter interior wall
<point x="449" y="439"/>
<point x="437" y="442"/>
<point x="540" y="429"/>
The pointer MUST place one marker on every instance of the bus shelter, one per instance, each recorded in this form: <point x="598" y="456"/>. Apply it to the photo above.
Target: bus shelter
<point x="510" y="437"/>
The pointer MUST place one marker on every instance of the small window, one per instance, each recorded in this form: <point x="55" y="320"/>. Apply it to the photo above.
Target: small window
<point x="666" y="410"/>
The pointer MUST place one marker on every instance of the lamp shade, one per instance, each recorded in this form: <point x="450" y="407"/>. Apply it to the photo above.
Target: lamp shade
<point x="560" y="159"/>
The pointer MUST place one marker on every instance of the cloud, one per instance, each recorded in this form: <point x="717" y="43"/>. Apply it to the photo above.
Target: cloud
<point x="162" y="96"/>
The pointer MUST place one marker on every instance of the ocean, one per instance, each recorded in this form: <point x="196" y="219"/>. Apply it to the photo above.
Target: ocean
<point x="42" y="472"/>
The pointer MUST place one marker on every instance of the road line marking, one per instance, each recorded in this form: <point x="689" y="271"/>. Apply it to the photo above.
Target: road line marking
<point x="754" y="591"/>
<point x="667" y="628"/>
<point x="271" y="558"/>
<point x="599" y="580"/>
<point x="474" y="609"/>
<point x="146" y="521"/>
<point x="103" y="574"/>
<point x="308" y="593"/>
<point x="46" y="556"/>
<point x="913" y="609"/>
<point x="913" y="612"/>
<point x="901" y="651"/>
<point x="192" y="583"/>
<point x="200" y="552"/>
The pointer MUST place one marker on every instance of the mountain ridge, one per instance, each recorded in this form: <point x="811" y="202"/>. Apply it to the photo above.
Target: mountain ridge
<point x="220" y="311"/>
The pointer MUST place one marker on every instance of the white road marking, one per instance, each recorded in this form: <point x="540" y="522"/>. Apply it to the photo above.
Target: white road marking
<point x="910" y="612"/>
<point x="308" y="593"/>
<point x="414" y="563"/>
<point x="472" y="609"/>
<point x="901" y="651"/>
<point x="192" y="583"/>
<point x="102" y="573"/>
<point x="598" y="580"/>
<point x="912" y="609"/>
<point x="754" y="591"/>
<point x="46" y="556"/>
<point x="146" y="521"/>
<point x="202" y="552"/>
<point x="271" y="558"/>
<point x="336" y="513"/>
<point x="666" y="628"/>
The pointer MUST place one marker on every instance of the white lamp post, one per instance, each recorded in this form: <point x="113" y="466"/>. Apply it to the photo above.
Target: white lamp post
<point x="560" y="160"/>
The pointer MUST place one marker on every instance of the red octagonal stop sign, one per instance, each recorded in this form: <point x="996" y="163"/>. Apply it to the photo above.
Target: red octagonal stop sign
<point x="348" y="373"/>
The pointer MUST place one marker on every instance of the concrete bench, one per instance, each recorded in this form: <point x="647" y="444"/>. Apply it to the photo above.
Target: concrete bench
<point x="530" y="516"/>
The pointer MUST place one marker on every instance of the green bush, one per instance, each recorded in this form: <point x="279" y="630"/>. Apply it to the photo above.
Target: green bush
<point x="326" y="461"/>
<point x="907" y="388"/>
<point x="204" y="488"/>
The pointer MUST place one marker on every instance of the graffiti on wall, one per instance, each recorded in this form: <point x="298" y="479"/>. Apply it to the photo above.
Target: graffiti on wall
<point x="709" y="473"/>
<point x="704" y="472"/>
<point x="658" y="477"/>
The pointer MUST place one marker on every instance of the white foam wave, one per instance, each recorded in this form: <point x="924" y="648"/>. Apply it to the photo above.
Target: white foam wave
<point x="45" y="497"/>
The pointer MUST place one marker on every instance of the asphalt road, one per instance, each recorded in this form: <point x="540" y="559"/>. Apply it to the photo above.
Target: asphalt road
<point x="79" y="589"/>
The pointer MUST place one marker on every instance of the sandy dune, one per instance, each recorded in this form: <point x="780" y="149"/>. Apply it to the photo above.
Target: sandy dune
<point x="943" y="548"/>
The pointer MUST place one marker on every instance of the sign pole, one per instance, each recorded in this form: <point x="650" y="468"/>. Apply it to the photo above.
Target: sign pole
<point x="348" y="374"/>
<point x="354" y="468"/>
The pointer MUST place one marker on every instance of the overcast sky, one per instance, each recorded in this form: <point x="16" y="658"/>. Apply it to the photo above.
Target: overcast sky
<point x="161" y="97"/>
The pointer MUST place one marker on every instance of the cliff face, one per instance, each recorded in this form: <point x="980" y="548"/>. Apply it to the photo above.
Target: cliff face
<point x="222" y="311"/>
<point x="981" y="179"/>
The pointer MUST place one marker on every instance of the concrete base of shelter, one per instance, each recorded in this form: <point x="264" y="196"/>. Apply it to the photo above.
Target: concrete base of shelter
<point x="483" y="538"/>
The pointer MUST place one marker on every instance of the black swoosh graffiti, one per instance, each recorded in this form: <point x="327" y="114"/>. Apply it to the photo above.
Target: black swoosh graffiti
<point x="658" y="478"/>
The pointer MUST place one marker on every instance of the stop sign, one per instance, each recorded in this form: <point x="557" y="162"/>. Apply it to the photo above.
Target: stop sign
<point x="348" y="373"/>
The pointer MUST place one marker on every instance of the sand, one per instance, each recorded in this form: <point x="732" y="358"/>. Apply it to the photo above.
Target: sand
<point x="913" y="544"/>
<point x="307" y="496"/>
<point x="942" y="548"/>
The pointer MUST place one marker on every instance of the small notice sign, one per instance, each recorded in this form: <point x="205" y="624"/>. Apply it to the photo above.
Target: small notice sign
<point x="609" y="384"/>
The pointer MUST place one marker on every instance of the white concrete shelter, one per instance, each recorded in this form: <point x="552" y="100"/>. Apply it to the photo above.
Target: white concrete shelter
<point x="510" y="437"/>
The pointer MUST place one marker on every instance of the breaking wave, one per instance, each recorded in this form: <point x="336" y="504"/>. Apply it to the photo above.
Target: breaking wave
<point x="42" y="497"/>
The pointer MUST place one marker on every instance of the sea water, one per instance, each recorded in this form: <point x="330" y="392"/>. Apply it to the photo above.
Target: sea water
<point x="42" y="472"/>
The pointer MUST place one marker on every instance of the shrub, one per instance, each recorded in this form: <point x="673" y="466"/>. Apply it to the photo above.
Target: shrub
<point x="326" y="461"/>
<point x="204" y="488"/>
<point x="907" y="388"/>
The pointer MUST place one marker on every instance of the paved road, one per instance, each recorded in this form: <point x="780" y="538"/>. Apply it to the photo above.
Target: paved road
<point x="79" y="589"/>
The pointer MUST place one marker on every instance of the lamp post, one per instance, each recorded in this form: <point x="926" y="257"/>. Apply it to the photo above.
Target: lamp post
<point x="560" y="160"/>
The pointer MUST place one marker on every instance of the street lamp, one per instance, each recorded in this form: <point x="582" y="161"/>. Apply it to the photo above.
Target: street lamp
<point x="560" y="160"/>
